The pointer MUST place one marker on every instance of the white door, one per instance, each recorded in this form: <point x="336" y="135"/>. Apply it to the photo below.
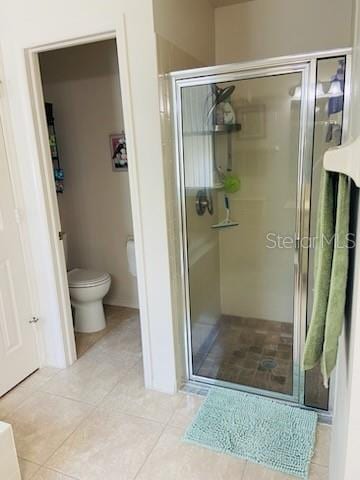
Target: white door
<point x="18" y="350"/>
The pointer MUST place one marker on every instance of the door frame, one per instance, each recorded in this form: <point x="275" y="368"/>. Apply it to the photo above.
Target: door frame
<point x="50" y="199"/>
<point x="307" y="64"/>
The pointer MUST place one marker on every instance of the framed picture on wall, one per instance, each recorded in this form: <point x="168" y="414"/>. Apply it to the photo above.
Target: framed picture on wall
<point x="118" y="152"/>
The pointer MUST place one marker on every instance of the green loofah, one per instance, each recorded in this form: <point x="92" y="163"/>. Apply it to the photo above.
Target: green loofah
<point x="231" y="183"/>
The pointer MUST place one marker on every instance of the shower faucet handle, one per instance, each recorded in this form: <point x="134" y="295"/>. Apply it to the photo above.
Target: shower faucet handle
<point x="204" y="202"/>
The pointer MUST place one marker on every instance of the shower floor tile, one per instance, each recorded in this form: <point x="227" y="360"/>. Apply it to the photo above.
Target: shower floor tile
<point x="251" y="352"/>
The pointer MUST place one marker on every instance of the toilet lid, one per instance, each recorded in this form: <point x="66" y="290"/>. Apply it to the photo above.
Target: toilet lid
<point x="79" y="277"/>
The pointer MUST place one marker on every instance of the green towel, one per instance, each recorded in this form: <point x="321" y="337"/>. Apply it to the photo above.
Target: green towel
<point x="331" y="267"/>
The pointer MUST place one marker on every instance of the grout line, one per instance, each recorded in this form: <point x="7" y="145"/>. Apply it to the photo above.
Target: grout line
<point x="167" y="425"/>
<point x="7" y="416"/>
<point x="150" y="452"/>
<point x="33" y="463"/>
<point x="123" y="412"/>
<point x="86" y="418"/>
<point x="94" y="408"/>
<point x="64" y="397"/>
<point x="33" y="391"/>
<point x="68" y="436"/>
<point x="70" y="477"/>
<point x="62" y="443"/>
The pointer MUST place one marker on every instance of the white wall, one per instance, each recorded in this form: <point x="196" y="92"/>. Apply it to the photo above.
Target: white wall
<point x="260" y="28"/>
<point x="344" y="456"/>
<point x="27" y="24"/>
<point x="189" y="25"/>
<point x="83" y="85"/>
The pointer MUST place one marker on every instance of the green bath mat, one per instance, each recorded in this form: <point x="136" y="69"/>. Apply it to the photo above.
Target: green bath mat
<point x="258" y="429"/>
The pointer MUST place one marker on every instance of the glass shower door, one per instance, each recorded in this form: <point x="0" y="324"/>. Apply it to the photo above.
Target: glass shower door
<point x="241" y="174"/>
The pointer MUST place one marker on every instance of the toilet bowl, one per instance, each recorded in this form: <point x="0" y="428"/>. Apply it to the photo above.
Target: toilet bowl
<point x="87" y="289"/>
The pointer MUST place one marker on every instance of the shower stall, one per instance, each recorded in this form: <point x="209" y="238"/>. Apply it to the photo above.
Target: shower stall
<point x="250" y="138"/>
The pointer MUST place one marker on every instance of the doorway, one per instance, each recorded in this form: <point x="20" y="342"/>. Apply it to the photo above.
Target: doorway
<point x="87" y="138"/>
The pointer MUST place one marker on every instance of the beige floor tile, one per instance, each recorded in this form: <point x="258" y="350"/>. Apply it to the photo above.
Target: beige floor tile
<point x="27" y="469"/>
<point x="113" y="354"/>
<point x="173" y="459"/>
<point x="131" y="397"/>
<point x="43" y="422"/>
<point x="317" y="472"/>
<point x="115" y="314"/>
<point x="105" y="446"/>
<point x="40" y="377"/>
<point x="12" y="400"/>
<point x="186" y="410"/>
<point x="89" y="380"/>
<point x="115" y="317"/>
<point x="124" y="338"/>
<point x="47" y="474"/>
<point x="16" y="396"/>
<point x="84" y="341"/>
<point x="125" y="321"/>
<point x="258" y="472"/>
<point x="322" y="446"/>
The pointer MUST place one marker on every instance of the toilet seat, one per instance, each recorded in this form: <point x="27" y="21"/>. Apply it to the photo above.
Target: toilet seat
<point x="81" y="278"/>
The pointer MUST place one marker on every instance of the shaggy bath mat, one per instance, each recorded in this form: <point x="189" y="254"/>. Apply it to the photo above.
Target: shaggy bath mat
<point x="258" y="429"/>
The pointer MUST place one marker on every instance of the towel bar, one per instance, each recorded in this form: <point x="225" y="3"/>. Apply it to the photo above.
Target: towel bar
<point x="345" y="159"/>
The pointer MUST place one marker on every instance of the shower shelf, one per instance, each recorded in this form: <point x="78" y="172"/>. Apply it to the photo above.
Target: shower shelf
<point x="223" y="128"/>
<point x="262" y="149"/>
<point x="218" y="128"/>
<point x="326" y="97"/>
<point x="345" y="159"/>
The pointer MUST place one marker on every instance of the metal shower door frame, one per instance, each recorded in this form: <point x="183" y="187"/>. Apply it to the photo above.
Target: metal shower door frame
<point x="307" y="66"/>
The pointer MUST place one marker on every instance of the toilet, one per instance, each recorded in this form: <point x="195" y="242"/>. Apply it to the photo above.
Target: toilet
<point x="87" y="289"/>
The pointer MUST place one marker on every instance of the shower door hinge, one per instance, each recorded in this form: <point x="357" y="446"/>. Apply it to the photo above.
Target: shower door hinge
<point x="34" y="320"/>
<point x="61" y="235"/>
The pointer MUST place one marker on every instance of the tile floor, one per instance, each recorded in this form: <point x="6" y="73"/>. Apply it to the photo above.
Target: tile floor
<point x="96" y="421"/>
<point x="235" y="351"/>
<point x="242" y="344"/>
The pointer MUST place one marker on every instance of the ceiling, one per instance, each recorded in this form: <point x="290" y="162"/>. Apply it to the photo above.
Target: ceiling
<point x="224" y="3"/>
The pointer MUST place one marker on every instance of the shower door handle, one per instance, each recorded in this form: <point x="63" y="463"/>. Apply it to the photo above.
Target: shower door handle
<point x="297" y="250"/>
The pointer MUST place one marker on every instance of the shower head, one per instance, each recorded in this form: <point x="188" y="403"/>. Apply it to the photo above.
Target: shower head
<point x="221" y="94"/>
